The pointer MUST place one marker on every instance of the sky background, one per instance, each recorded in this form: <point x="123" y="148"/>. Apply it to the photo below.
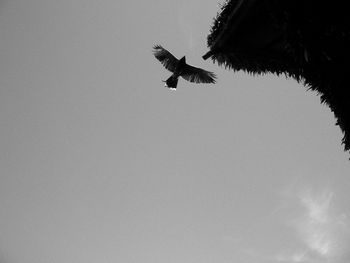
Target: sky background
<point x="100" y="163"/>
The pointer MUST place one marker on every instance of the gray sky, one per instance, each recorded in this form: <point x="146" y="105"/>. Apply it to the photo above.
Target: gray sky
<point x="100" y="163"/>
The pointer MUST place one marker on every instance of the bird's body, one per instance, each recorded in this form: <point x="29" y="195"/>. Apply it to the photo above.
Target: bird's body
<point x="180" y="68"/>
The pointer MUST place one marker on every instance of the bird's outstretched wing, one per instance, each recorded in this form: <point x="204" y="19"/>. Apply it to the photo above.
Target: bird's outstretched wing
<point x="165" y="57"/>
<point x="198" y="75"/>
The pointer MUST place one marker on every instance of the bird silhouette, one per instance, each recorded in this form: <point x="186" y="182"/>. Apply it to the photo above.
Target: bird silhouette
<point x="179" y="68"/>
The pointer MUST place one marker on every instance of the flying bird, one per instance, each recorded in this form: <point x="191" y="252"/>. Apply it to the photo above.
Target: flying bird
<point x="179" y="68"/>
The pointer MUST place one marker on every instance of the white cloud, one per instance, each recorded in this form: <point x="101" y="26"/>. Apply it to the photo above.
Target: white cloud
<point x="299" y="257"/>
<point x="322" y="228"/>
<point x="315" y="227"/>
<point x="292" y="257"/>
<point x="320" y="225"/>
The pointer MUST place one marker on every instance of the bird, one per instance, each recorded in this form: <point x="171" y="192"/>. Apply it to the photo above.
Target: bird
<point x="180" y="68"/>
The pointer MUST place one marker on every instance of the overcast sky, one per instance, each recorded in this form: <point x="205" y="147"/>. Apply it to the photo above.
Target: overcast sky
<point x="100" y="163"/>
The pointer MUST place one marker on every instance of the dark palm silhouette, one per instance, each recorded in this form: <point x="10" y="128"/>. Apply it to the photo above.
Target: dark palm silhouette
<point x="179" y="68"/>
<point x="306" y="40"/>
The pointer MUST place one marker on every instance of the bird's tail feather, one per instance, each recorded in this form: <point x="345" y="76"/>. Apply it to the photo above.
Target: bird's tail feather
<point x="171" y="82"/>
